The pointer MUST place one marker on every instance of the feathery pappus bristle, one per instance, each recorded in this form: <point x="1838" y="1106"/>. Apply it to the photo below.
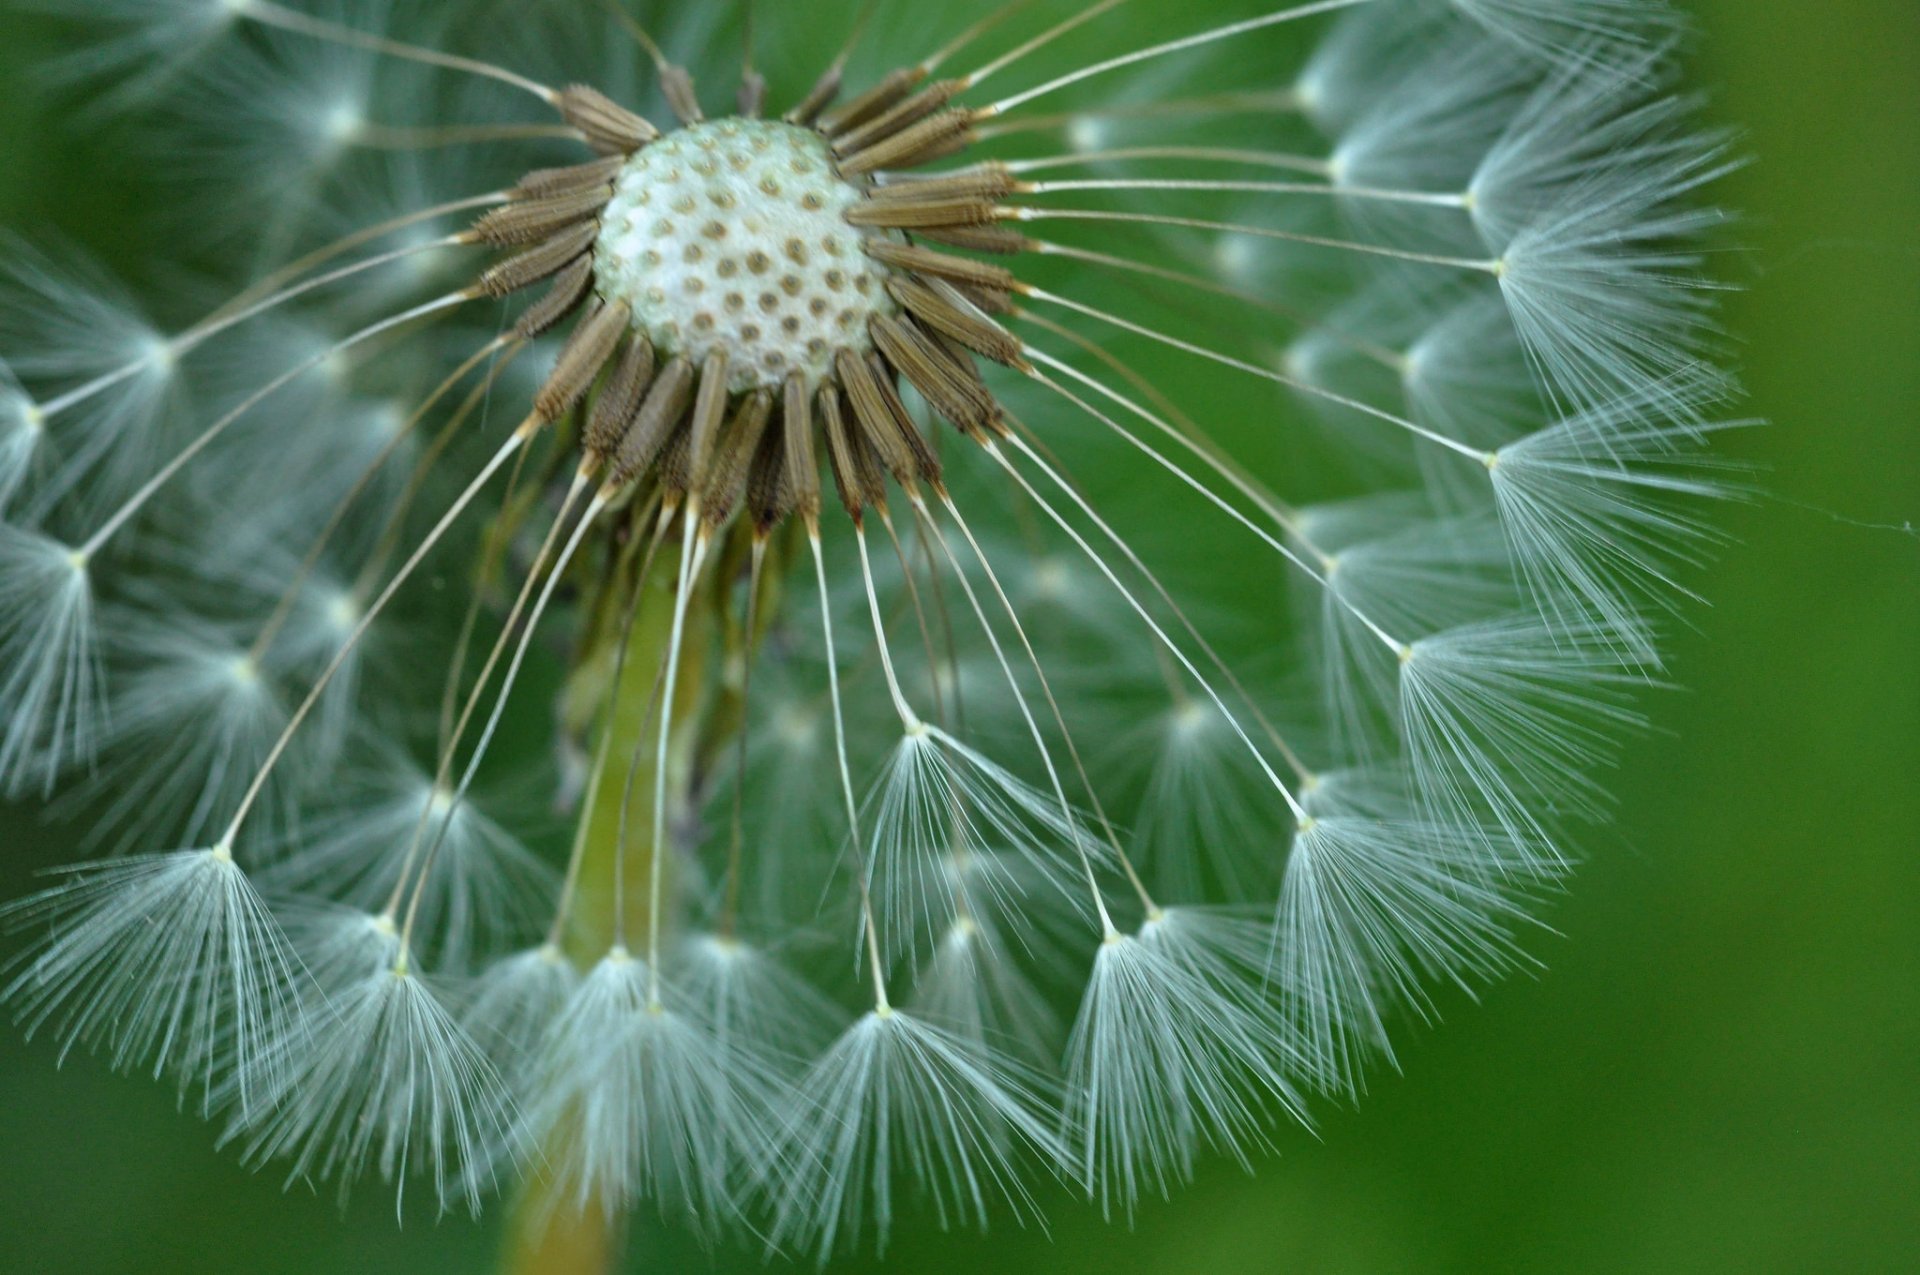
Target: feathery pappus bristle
<point x="1161" y="1066"/>
<point x="51" y="685"/>
<point x="735" y="687"/>
<point x="170" y="962"/>
<point x="895" y="1095"/>
<point x="648" y="1102"/>
<point x="380" y="1074"/>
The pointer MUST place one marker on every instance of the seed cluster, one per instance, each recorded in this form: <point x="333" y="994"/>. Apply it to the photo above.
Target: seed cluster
<point x="750" y="318"/>
<point x="750" y="296"/>
<point x="732" y="235"/>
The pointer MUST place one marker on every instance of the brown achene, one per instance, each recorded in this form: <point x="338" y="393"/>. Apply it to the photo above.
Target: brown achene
<point x="661" y="423"/>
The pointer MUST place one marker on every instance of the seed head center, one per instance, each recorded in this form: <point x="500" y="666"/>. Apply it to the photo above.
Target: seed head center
<point x="732" y="235"/>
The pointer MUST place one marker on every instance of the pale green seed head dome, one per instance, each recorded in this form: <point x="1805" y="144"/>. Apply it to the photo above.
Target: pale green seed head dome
<point x="731" y="235"/>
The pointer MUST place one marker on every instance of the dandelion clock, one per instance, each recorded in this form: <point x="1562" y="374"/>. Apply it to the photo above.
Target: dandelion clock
<point x="814" y="620"/>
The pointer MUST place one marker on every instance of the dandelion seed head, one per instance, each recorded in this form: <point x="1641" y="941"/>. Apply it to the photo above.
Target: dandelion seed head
<point x="1087" y="134"/>
<point x="657" y="1109"/>
<point x="1159" y="1067"/>
<point x="342" y="611"/>
<point x="23" y="428"/>
<point x="514" y="1002"/>
<point x="380" y="1075"/>
<point x="1236" y="255"/>
<point x="341" y="123"/>
<point x="660" y="627"/>
<point x="1050" y="579"/>
<point x="167" y="962"/>
<point x="732" y="236"/>
<point x="866" y="1118"/>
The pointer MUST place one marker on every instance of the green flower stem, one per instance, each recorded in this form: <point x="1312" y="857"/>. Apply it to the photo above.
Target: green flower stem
<point x="544" y="1236"/>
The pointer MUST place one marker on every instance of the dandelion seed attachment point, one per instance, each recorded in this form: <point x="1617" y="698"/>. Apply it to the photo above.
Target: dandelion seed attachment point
<point x="731" y="235"/>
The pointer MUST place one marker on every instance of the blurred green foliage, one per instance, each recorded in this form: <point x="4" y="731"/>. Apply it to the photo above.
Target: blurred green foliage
<point x="1719" y="1068"/>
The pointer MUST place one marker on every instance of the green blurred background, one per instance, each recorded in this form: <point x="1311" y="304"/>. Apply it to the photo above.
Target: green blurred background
<point x="1719" y="1069"/>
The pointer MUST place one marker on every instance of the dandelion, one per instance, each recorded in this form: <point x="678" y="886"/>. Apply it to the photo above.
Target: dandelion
<point x="381" y="1073"/>
<point x="760" y="486"/>
<point x="1162" y="1063"/>
<point x="894" y="1095"/>
<point x="652" y="1104"/>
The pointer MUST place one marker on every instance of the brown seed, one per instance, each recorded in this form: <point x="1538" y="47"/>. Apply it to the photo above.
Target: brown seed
<point x="676" y="85"/>
<point x="891" y="88"/>
<point x="752" y="97"/>
<point x="802" y="473"/>
<point x="856" y="474"/>
<point x="709" y="409"/>
<point x="608" y="126"/>
<point x="932" y="138"/>
<point x="581" y="359"/>
<point x="986" y="300"/>
<point x="659" y="415"/>
<point x="889" y="432"/>
<point x="546" y="183"/>
<point x="569" y="289"/>
<point x="674" y="469"/>
<point x="925" y="459"/>
<point x="726" y="479"/>
<point x="818" y="98"/>
<point x="533" y="219"/>
<point x="923" y="214"/>
<point x="769" y="495"/>
<point x="943" y="309"/>
<point x="897" y="118"/>
<point x="542" y="261"/>
<point x="960" y="398"/>
<point x="980" y="238"/>
<point x="915" y="259"/>
<point x="620" y="398"/>
<point x="989" y="181"/>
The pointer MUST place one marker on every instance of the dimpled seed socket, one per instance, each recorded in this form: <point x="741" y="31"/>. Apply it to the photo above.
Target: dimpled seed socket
<point x="732" y="236"/>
